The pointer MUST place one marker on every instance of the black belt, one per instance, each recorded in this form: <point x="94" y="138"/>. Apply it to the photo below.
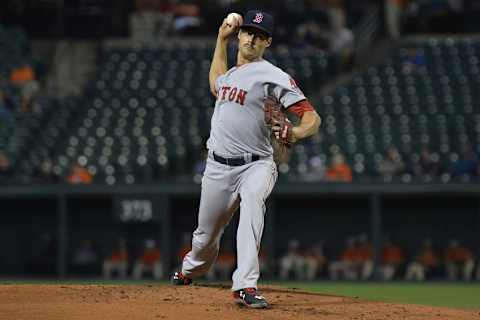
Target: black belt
<point x="234" y="161"/>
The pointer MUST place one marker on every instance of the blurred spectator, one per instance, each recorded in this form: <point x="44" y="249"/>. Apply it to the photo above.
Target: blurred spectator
<point x="346" y="265"/>
<point x="392" y="258"/>
<point x="339" y="170"/>
<point x="392" y="164"/>
<point x="291" y="14"/>
<point x="364" y="257"/>
<point x="45" y="173"/>
<point x="5" y="112"/>
<point x="223" y="267"/>
<point x="5" y="168"/>
<point x="315" y="25"/>
<point x="425" y="261"/>
<point x="394" y="12"/>
<point x="149" y="261"/>
<point x="152" y="19"/>
<point x="22" y="74"/>
<point x="458" y="262"/>
<point x="468" y="165"/>
<point x="430" y="16"/>
<point x="413" y="61"/>
<point x="292" y="262"/>
<point x="316" y="170"/>
<point x="116" y="261"/>
<point x="24" y="78"/>
<point x="341" y="38"/>
<point x="427" y="165"/>
<point x="187" y="18"/>
<point x="315" y="261"/>
<point x="85" y="260"/>
<point x="356" y="260"/>
<point x="79" y="175"/>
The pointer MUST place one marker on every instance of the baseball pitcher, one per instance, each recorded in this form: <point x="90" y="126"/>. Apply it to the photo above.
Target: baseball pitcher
<point x="251" y="101"/>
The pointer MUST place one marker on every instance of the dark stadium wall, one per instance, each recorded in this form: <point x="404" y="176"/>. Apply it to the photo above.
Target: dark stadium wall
<point x="26" y="226"/>
<point x="326" y="219"/>
<point x="30" y="227"/>
<point x="440" y="219"/>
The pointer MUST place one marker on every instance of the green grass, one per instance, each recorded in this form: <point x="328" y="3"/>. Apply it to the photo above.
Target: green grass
<point x="453" y="295"/>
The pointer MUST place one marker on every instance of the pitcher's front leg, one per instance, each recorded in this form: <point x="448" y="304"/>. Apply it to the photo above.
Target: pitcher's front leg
<point x="255" y="189"/>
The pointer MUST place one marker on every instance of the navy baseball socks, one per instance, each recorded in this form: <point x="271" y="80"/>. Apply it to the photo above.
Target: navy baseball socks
<point x="179" y="279"/>
<point x="249" y="297"/>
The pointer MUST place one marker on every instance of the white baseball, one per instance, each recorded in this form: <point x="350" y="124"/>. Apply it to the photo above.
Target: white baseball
<point x="234" y="19"/>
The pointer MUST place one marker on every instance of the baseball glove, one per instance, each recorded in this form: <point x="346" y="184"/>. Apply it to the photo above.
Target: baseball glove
<point x="277" y="121"/>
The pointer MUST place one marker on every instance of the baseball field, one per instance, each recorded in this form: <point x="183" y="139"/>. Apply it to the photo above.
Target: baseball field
<point x="104" y="300"/>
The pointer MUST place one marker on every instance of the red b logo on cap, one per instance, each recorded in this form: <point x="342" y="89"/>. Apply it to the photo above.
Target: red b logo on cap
<point x="258" y="18"/>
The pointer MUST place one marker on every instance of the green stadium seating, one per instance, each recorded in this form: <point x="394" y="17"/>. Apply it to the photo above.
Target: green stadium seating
<point x="428" y="98"/>
<point x="147" y="112"/>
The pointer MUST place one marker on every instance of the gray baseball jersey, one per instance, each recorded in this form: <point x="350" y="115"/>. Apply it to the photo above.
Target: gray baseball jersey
<point x="238" y="125"/>
<point x="238" y="129"/>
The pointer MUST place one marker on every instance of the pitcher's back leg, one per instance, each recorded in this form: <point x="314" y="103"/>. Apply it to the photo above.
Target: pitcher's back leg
<point x="217" y="205"/>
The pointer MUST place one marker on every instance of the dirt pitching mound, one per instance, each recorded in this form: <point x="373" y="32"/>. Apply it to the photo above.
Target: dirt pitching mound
<point x="116" y="302"/>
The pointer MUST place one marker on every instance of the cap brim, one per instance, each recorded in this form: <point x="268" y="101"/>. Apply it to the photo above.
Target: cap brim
<point x="255" y="26"/>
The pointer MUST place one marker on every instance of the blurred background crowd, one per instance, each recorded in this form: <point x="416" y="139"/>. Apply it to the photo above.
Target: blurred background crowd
<point x="317" y="41"/>
<point x="87" y="18"/>
<point x="322" y="260"/>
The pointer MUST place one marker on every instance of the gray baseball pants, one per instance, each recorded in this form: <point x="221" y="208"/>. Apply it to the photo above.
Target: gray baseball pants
<point x="224" y="188"/>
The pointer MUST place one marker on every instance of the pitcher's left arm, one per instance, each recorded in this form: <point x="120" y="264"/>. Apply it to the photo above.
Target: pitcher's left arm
<point x="309" y="121"/>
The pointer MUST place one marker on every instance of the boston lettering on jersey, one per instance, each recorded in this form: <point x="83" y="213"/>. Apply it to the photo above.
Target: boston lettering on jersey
<point x="232" y="94"/>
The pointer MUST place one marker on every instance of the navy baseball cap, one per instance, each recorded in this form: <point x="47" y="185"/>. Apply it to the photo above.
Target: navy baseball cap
<point x="259" y="20"/>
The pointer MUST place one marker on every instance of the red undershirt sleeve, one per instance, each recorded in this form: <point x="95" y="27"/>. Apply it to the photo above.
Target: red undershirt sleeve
<point x="300" y="108"/>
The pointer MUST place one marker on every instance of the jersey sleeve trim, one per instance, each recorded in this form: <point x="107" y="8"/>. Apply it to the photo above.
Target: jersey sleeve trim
<point x="300" y="107"/>
<point x="295" y="103"/>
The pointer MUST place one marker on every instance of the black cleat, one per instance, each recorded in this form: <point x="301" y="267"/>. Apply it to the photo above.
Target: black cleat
<point x="250" y="298"/>
<point x="179" y="279"/>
